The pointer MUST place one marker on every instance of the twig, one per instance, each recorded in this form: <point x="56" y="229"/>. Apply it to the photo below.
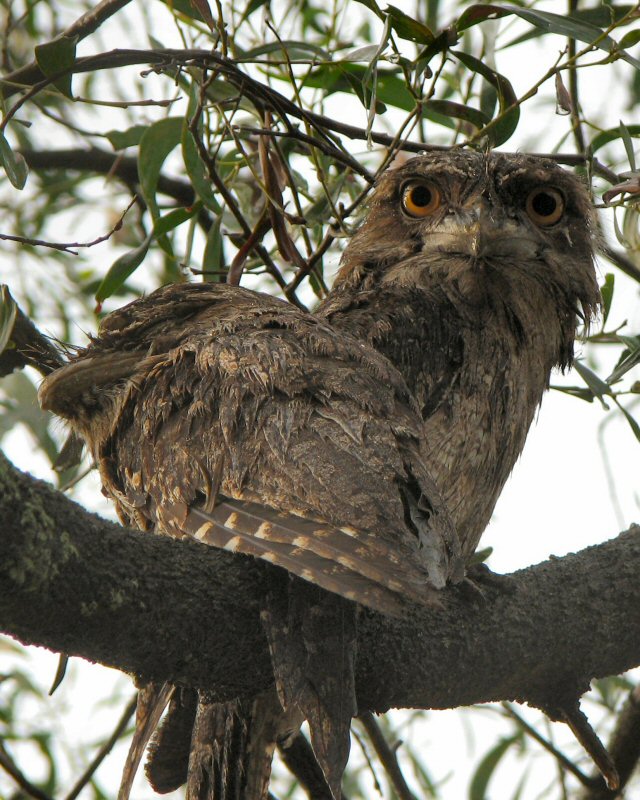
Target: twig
<point x="585" y="780"/>
<point x="386" y="755"/>
<point x="299" y="759"/>
<point x="11" y="768"/>
<point x="82" y="27"/>
<point x="367" y="758"/>
<point x="30" y="347"/>
<point x="104" y="751"/>
<point x="266" y="97"/>
<point x="576" y="123"/>
<point x="624" y="747"/>
<point x="67" y="246"/>
<point x="623" y="262"/>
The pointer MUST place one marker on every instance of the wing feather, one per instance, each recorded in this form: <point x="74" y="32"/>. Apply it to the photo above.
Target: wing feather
<point x="233" y="528"/>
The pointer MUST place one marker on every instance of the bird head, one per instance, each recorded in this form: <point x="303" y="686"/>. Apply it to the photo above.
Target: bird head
<point x="489" y="231"/>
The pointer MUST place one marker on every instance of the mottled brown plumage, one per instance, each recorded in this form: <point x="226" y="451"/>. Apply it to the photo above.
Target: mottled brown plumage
<point x="475" y="303"/>
<point x="469" y="275"/>
<point x="235" y="418"/>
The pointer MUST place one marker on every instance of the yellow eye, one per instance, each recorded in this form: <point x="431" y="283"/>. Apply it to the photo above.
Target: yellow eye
<point x="545" y="206"/>
<point x="421" y="198"/>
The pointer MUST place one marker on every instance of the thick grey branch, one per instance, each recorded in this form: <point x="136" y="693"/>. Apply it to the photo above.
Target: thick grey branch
<point x="168" y="609"/>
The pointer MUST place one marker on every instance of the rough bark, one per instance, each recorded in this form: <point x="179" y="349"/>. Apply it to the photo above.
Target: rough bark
<point x="177" y="609"/>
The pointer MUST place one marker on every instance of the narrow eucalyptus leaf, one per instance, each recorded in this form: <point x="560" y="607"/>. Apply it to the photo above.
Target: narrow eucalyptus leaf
<point x="121" y="269"/>
<point x="486" y="768"/>
<point x="155" y="145"/>
<point x="606" y="291"/>
<point x="14" y="164"/>
<point x="8" y="312"/>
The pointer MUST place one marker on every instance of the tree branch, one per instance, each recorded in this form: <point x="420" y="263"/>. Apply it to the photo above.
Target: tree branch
<point x="262" y="95"/>
<point x="102" y="162"/>
<point x="85" y="25"/>
<point x="178" y="610"/>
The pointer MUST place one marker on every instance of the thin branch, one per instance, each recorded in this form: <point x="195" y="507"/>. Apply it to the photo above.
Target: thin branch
<point x="624" y="748"/>
<point x="386" y="755"/>
<point x="67" y="247"/>
<point x="104" y="751"/>
<point x="560" y="757"/>
<point x="84" y="26"/>
<point x="11" y="768"/>
<point x="374" y="777"/>
<point x="576" y="122"/>
<point x="300" y="760"/>
<point x="264" y="97"/>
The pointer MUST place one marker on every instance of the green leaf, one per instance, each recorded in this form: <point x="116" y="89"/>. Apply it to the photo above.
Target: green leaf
<point x="14" y="164"/>
<point x="121" y="269"/>
<point x="629" y="358"/>
<point x="366" y="54"/>
<point x="196" y="171"/>
<point x="504" y="128"/>
<point x="610" y="135"/>
<point x="628" y="145"/>
<point x="155" y="145"/>
<point x="572" y="28"/>
<point x="479" y="12"/>
<point x="391" y="90"/>
<point x="486" y="768"/>
<point x="407" y="27"/>
<point x="184" y="7"/>
<point x="629" y="40"/>
<point x="174" y="218"/>
<point x="8" y="311"/>
<point x="632" y="422"/>
<point x="372" y="6"/>
<point x="598" y="387"/>
<point x="252" y="5"/>
<point x="129" y="138"/>
<point x="294" y="49"/>
<point x="450" y="109"/>
<point x="55" y="57"/>
<point x="606" y="290"/>
<point x="576" y="391"/>
<point x="213" y="259"/>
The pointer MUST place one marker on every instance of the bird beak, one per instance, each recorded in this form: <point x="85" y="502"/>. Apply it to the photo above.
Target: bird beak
<point x="480" y="233"/>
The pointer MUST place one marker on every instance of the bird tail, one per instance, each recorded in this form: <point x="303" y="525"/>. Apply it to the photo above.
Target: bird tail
<point x="232" y="747"/>
<point x="223" y="751"/>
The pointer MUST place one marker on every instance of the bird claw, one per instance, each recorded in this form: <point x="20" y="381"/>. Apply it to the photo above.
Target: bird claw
<point x="479" y="581"/>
